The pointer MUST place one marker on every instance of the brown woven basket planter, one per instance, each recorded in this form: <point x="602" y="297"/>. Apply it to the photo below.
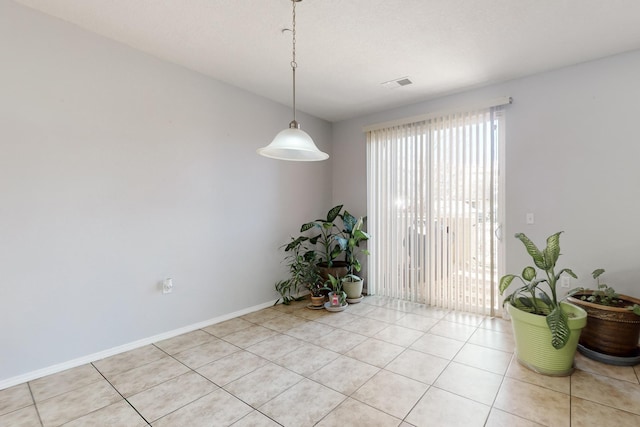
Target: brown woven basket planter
<point x="610" y="330"/>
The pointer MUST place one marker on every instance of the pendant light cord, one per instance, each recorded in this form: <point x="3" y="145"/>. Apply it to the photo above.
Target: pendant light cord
<point x="293" y="143"/>
<point x="294" y="64"/>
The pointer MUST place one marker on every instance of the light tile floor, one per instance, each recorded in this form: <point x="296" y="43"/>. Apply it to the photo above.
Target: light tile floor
<point x="381" y="363"/>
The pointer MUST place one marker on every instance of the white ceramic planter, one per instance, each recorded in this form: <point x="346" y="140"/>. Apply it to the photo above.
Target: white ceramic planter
<point x="353" y="289"/>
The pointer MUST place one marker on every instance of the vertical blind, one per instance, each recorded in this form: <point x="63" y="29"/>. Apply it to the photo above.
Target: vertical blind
<point x="433" y="192"/>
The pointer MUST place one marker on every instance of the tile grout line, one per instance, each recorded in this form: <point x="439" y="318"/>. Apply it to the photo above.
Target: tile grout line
<point x="35" y="405"/>
<point x="248" y="373"/>
<point x="449" y="364"/>
<point x="121" y="395"/>
<point x="571" y="393"/>
<point x="191" y="370"/>
<point x="163" y="382"/>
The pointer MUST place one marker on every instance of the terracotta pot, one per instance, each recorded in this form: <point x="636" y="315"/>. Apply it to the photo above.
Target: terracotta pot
<point x="317" y="301"/>
<point x="610" y="330"/>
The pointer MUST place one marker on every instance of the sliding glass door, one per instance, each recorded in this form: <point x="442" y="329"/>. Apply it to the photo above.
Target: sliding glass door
<point x="434" y="195"/>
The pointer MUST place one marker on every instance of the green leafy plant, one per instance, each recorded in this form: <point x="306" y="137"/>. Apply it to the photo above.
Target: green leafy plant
<point x="603" y="294"/>
<point x="531" y="297"/>
<point x="303" y="271"/>
<point x="317" y="289"/>
<point x="335" y="285"/>
<point x="352" y="236"/>
<point x="331" y="241"/>
<point x="330" y="249"/>
<point x="286" y="290"/>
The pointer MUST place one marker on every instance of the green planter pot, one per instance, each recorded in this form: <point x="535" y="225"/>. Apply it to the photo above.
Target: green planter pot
<point x="353" y="289"/>
<point x="533" y="340"/>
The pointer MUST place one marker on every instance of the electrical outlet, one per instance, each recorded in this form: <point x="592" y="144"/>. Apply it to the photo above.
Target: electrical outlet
<point x="167" y="286"/>
<point x="565" y="281"/>
<point x="530" y="219"/>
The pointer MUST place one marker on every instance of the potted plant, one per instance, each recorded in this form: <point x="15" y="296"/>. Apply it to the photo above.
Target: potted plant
<point x="546" y="329"/>
<point x="329" y="247"/>
<point x="350" y="240"/>
<point x="613" y="322"/>
<point x="303" y="271"/>
<point x="337" y="296"/>
<point x="318" y="292"/>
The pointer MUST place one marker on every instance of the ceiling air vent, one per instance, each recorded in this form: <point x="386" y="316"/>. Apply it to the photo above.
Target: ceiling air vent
<point x="392" y="84"/>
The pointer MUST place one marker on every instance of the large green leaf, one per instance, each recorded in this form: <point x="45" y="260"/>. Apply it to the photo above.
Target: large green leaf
<point x="597" y="273"/>
<point x="545" y="299"/>
<point x="552" y="251"/>
<point x="559" y="326"/>
<point x="525" y="302"/>
<point x="333" y="213"/>
<point x="342" y="242"/>
<point x="307" y="226"/>
<point x="529" y="273"/>
<point x="505" y="281"/>
<point x="295" y="243"/>
<point x="568" y="271"/>
<point x="309" y="256"/>
<point x="542" y="307"/>
<point x="349" y="221"/>
<point x="337" y="250"/>
<point x="360" y="235"/>
<point x="533" y="250"/>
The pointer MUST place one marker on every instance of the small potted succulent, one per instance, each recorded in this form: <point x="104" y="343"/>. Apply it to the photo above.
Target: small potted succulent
<point x="613" y="322"/>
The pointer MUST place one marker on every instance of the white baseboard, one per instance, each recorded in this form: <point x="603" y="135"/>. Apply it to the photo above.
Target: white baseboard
<point x="30" y="376"/>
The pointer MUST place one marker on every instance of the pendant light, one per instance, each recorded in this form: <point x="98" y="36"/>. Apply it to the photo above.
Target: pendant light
<point x="293" y="143"/>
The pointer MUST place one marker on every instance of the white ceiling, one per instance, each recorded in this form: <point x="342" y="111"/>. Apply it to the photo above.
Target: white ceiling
<point x="347" y="48"/>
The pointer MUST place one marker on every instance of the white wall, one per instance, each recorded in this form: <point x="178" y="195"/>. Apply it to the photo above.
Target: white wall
<point x="572" y="151"/>
<point x="118" y="170"/>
